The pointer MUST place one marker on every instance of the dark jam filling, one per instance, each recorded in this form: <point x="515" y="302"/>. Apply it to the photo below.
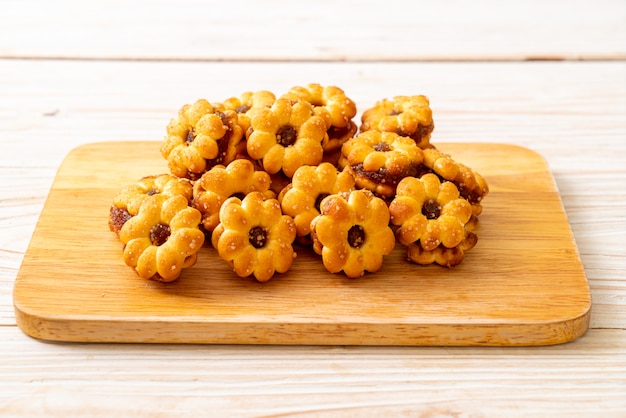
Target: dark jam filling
<point x="242" y="109"/>
<point x="191" y="135"/>
<point x="222" y="150"/>
<point x="382" y="147"/>
<point x="469" y="195"/>
<point x="356" y="236"/>
<point x="426" y="130"/>
<point x="257" y="237"/>
<point x="286" y="135"/>
<point x="159" y="234"/>
<point x="431" y="209"/>
<point x="383" y="176"/>
<point x="223" y="117"/>
<point x="118" y="218"/>
<point x="318" y="201"/>
<point x="422" y="131"/>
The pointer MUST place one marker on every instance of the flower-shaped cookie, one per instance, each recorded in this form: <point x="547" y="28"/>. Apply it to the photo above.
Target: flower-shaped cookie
<point x="330" y="102"/>
<point x="352" y="233"/>
<point x="127" y="202"/>
<point x="163" y="238"/>
<point x="472" y="186"/>
<point x="254" y="237"/>
<point x="200" y="137"/>
<point x="310" y="185"/>
<point x="286" y="136"/>
<point x="218" y="184"/>
<point x="379" y="160"/>
<point x="429" y="211"/>
<point x="405" y="115"/>
<point x="246" y="101"/>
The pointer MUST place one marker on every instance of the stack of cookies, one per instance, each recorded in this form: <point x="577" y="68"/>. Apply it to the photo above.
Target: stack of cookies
<point x="259" y="174"/>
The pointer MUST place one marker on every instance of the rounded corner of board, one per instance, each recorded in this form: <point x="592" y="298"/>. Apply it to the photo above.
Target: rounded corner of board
<point x="570" y="330"/>
<point x="33" y="324"/>
<point x="27" y="322"/>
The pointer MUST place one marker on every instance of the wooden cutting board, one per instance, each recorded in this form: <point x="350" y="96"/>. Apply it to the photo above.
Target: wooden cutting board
<point x="523" y="283"/>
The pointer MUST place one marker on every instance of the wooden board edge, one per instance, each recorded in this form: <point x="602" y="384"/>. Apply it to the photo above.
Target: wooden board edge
<point x="168" y="331"/>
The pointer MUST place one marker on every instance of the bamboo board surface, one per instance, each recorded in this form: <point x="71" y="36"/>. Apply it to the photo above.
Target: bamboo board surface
<point x="523" y="283"/>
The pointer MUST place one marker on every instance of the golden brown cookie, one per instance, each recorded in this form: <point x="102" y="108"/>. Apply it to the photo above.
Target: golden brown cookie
<point x="429" y="212"/>
<point x="352" y="233"/>
<point x="254" y="237"/>
<point x="379" y="160"/>
<point x="127" y="202"/>
<point x="286" y="136"/>
<point x="163" y="238"/>
<point x="310" y="185"/>
<point x="200" y="137"/>
<point x="405" y="115"/>
<point x="472" y="186"/>
<point x="218" y="184"/>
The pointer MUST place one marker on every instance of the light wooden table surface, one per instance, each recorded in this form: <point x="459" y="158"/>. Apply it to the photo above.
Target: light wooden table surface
<point x="550" y="76"/>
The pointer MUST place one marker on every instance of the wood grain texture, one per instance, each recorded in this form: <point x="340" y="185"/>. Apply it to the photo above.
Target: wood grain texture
<point x="522" y="285"/>
<point x="73" y="72"/>
<point x="328" y="30"/>
<point x="102" y="380"/>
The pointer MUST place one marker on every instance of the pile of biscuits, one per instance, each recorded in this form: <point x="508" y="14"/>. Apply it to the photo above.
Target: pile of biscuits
<point x="258" y="174"/>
